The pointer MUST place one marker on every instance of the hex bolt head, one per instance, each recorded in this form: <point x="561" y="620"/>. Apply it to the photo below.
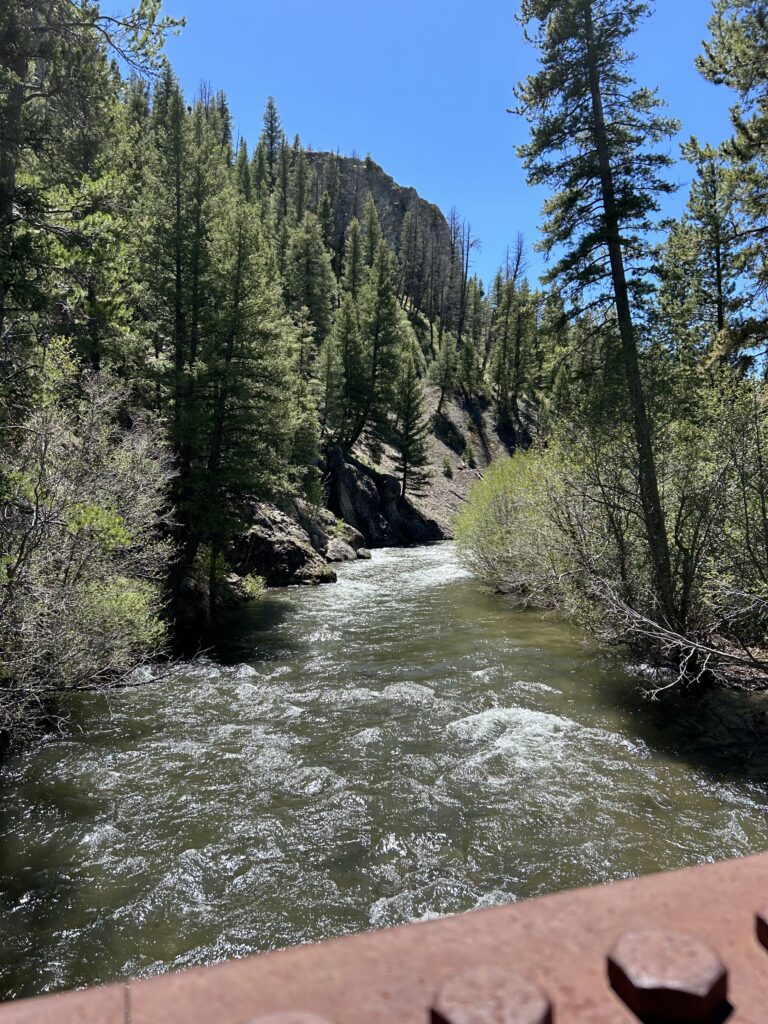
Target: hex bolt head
<point x="490" y="995"/>
<point x="761" y="922"/>
<point x="671" y="975"/>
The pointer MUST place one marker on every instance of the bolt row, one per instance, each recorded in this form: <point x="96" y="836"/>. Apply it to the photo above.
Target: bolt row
<point x="674" y="976"/>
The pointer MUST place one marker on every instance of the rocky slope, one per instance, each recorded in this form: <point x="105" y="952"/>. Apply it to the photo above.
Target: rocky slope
<point x="298" y="544"/>
<point x="355" y="179"/>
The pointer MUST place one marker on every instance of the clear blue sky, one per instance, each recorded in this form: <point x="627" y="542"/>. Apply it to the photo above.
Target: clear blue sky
<point x="423" y="86"/>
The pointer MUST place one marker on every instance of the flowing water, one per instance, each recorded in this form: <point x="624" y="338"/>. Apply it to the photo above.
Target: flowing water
<point x="397" y="746"/>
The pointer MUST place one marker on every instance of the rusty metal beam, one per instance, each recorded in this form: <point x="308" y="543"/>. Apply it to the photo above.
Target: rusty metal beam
<point x="582" y="957"/>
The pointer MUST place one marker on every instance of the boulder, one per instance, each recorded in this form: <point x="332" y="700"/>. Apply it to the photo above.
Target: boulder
<point x="354" y="497"/>
<point x="373" y="505"/>
<point x="339" y="551"/>
<point x="322" y="526"/>
<point x="277" y="548"/>
<point x="364" y="553"/>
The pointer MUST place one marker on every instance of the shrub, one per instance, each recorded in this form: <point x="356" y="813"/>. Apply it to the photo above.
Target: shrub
<point x="563" y="526"/>
<point x="447" y="468"/>
<point x="82" y="560"/>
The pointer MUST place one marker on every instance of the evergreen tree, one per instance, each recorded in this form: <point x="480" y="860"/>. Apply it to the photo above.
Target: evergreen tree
<point x="243" y="171"/>
<point x="260" y="173"/>
<point x="381" y="337"/>
<point x="282" y="192"/>
<point x="300" y="185"/>
<point x="354" y="265"/>
<point x="410" y="428"/>
<point x="249" y="390"/>
<point x="735" y="57"/>
<point x="346" y="410"/>
<point x="326" y="217"/>
<point x="444" y="369"/>
<point x="594" y="138"/>
<point x="371" y="231"/>
<point x="272" y="140"/>
<point x="309" y="276"/>
<point x="703" y="260"/>
<point x="330" y="377"/>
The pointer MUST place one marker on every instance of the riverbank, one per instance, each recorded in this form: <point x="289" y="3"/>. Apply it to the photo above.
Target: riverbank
<point x="298" y="543"/>
<point x="399" y="746"/>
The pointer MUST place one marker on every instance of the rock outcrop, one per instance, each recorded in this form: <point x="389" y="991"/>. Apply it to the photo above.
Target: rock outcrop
<point x="372" y="503"/>
<point x="352" y="179"/>
<point x="277" y="548"/>
<point x="339" y="551"/>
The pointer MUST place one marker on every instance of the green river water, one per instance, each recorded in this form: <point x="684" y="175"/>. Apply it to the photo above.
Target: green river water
<point x="394" y="747"/>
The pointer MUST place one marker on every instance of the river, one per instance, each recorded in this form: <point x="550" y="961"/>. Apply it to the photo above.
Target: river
<point x="394" y="747"/>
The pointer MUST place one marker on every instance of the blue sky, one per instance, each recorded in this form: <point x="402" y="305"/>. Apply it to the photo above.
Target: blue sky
<point x="423" y="86"/>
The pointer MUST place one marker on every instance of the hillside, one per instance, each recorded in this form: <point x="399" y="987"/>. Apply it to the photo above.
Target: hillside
<point x="350" y="180"/>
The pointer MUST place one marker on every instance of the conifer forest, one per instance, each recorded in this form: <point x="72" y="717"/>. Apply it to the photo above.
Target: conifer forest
<point x="232" y="365"/>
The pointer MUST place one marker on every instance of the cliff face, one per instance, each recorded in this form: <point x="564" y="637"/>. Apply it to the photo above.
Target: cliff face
<point x="351" y="179"/>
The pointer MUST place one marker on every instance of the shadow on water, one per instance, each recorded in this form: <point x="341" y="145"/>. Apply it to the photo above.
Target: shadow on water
<point x="723" y="732"/>
<point x="255" y="632"/>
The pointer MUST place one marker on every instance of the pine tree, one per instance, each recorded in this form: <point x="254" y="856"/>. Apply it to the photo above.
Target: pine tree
<point x="354" y="265"/>
<point x="260" y="173"/>
<point x="282" y="192"/>
<point x="249" y="393"/>
<point x="381" y="336"/>
<point x="371" y="231"/>
<point x="410" y="428"/>
<point x="353" y="378"/>
<point x="326" y="217"/>
<point x="309" y="276"/>
<point x="272" y="139"/>
<point x="330" y="377"/>
<point x="704" y="258"/>
<point x="594" y="139"/>
<point x="187" y="173"/>
<point x="301" y="185"/>
<point x="243" y="170"/>
<point x="444" y="369"/>
<point x="735" y="57"/>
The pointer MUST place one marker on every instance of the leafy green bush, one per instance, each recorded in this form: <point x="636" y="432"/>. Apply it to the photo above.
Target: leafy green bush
<point x="447" y="468"/>
<point x="562" y="526"/>
<point x="82" y="559"/>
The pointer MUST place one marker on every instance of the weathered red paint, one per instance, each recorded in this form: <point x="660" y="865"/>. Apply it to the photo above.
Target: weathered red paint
<point x="560" y="943"/>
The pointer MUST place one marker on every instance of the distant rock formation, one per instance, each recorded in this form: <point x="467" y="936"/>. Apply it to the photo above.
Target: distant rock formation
<point x="356" y="178"/>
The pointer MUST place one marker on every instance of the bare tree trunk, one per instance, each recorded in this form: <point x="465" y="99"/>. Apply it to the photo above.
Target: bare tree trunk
<point x="653" y="512"/>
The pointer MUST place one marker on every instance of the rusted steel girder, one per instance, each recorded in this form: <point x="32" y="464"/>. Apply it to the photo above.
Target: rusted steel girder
<point x="683" y="946"/>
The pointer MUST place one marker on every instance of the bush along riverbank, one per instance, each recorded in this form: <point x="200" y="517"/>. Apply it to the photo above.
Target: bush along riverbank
<point x="206" y="348"/>
<point x="643" y="508"/>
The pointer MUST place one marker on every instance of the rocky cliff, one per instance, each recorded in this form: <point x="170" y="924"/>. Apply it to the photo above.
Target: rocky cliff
<point x="351" y="179"/>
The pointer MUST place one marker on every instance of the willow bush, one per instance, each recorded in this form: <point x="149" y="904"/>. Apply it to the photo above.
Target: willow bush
<point x="561" y="526"/>
<point x="82" y="559"/>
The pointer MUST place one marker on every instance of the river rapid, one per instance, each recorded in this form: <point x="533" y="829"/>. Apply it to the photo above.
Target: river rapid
<point x="397" y="746"/>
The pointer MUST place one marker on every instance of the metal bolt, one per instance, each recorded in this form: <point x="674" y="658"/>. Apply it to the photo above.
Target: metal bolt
<point x="490" y="995"/>
<point x="671" y="975"/>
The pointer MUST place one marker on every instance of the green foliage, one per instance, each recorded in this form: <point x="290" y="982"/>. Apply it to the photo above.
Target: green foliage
<point x="444" y="369"/>
<point x="410" y="427"/>
<point x="447" y="468"/>
<point x="354" y="266"/>
<point x="309" y="276"/>
<point x="371" y="231"/>
<point x="252" y="587"/>
<point x="81" y="590"/>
